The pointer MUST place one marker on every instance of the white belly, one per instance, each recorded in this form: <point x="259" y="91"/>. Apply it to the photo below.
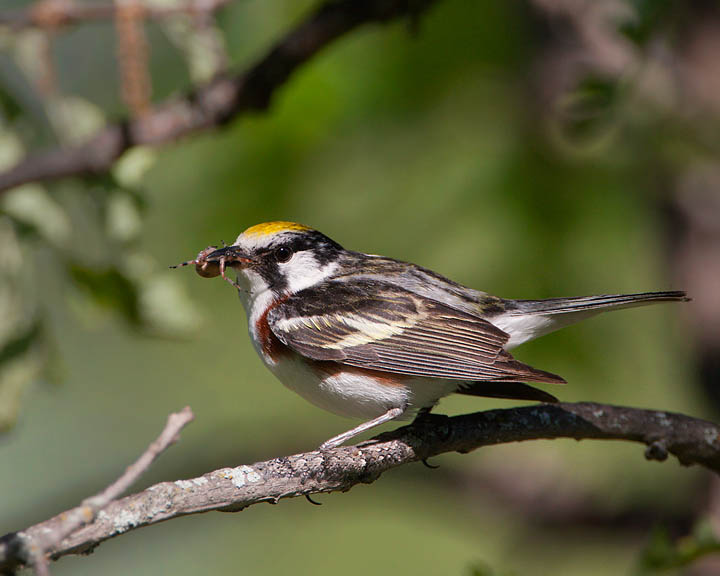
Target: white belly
<point x="352" y="394"/>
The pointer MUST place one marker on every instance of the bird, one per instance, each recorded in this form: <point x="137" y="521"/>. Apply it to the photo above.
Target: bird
<point x="378" y="339"/>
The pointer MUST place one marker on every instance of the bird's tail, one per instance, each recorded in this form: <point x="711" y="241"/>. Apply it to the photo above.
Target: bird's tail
<point x="525" y="320"/>
<point x="596" y="303"/>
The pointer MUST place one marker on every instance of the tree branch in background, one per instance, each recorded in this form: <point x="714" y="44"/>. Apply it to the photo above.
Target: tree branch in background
<point x="56" y="530"/>
<point x="215" y="103"/>
<point x="691" y="440"/>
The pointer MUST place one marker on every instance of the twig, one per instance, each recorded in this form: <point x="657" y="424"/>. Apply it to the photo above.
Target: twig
<point x="215" y="103"/>
<point x="66" y="13"/>
<point x="68" y="522"/>
<point x="133" y="56"/>
<point x="691" y="440"/>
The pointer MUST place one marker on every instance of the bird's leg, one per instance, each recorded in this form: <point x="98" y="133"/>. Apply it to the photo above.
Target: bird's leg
<point x="335" y="441"/>
<point x="423" y="417"/>
<point x="423" y="414"/>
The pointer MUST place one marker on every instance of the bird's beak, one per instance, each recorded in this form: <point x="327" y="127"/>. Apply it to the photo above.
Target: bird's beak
<point x="213" y="261"/>
<point x="231" y="255"/>
<point x="210" y="264"/>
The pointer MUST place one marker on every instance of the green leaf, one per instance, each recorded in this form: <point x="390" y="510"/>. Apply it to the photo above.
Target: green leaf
<point x="482" y="569"/>
<point x="662" y="553"/>
<point x="651" y="18"/>
<point x="21" y="344"/>
<point x="166" y="308"/>
<point x="9" y="107"/>
<point x="21" y="361"/>
<point x="589" y="111"/>
<point x="109" y="288"/>
<point x="33" y="209"/>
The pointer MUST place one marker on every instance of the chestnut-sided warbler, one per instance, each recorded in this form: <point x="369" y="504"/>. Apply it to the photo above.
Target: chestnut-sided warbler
<point x="371" y="337"/>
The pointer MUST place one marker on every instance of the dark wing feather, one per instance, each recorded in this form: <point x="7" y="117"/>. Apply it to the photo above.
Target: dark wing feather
<point x="374" y="325"/>
<point x="512" y="390"/>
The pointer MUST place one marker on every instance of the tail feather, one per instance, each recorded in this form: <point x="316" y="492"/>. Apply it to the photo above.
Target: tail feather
<point x="604" y="301"/>
<point x="525" y="320"/>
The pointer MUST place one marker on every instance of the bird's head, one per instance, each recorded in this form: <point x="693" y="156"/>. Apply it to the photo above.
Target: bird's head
<point x="284" y="257"/>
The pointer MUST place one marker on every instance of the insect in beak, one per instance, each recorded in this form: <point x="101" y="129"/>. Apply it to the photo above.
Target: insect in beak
<point x="213" y="261"/>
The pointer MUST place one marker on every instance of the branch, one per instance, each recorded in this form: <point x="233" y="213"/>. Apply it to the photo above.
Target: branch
<point x="691" y="440"/>
<point x="62" y="526"/>
<point x="215" y="103"/>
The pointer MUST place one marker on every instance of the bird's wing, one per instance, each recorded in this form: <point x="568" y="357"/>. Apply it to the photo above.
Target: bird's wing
<point x="375" y="325"/>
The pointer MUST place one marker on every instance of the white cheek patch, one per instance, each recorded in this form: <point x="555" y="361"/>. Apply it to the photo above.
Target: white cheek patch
<point x="254" y="295"/>
<point x="252" y="281"/>
<point x="303" y="271"/>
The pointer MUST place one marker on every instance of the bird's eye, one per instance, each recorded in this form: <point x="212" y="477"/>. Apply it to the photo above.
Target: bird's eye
<point x="283" y="254"/>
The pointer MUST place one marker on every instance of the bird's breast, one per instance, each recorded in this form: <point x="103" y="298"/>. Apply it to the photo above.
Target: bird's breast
<point x="266" y="343"/>
<point x="270" y="346"/>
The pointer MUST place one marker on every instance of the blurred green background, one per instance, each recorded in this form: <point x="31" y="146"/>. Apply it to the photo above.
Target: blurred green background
<point x="460" y="143"/>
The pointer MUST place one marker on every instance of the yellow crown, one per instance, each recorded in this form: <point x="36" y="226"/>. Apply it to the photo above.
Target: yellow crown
<point x="269" y="228"/>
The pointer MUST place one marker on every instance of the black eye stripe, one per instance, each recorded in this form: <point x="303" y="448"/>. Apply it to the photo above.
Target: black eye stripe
<point x="268" y="259"/>
<point x="320" y="245"/>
